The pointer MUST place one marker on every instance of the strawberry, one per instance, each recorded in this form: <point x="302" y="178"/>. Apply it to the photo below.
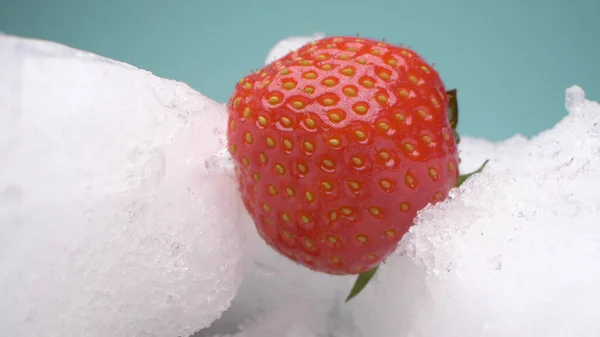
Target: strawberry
<point x="337" y="146"/>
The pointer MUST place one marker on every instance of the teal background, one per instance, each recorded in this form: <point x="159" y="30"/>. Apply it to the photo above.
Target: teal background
<point x="511" y="60"/>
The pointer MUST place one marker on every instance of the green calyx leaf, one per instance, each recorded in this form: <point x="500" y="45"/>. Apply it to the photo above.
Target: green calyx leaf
<point x="453" y="113"/>
<point x="463" y="177"/>
<point x="361" y="282"/>
<point x="453" y="121"/>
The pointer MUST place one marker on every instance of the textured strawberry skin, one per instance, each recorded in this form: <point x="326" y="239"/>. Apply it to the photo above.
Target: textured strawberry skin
<point x="337" y="146"/>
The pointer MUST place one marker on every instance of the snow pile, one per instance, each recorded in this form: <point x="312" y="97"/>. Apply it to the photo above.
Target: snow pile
<point x="110" y="224"/>
<point x="513" y="252"/>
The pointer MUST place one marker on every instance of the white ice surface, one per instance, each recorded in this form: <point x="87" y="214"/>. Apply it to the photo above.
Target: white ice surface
<point x="110" y="223"/>
<point x="514" y="252"/>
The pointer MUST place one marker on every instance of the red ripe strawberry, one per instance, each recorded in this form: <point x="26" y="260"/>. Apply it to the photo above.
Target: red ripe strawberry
<point x="337" y="146"/>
